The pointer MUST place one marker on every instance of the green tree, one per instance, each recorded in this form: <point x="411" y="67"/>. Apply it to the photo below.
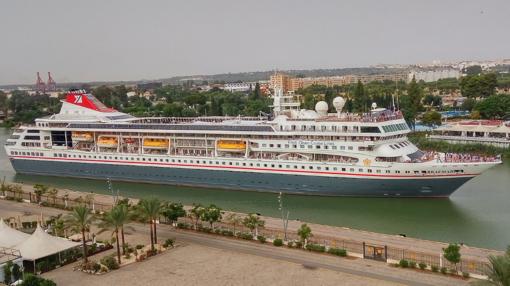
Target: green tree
<point x="304" y="232"/>
<point x="211" y="214"/>
<point x="115" y="220"/>
<point x="79" y="221"/>
<point x="40" y="190"/>
<point x="196" y="213"/>
<point x="495" y="106"/>
<point x="8" y="272"/>
<point x="360" y="100"/>
<point x="411" y="102"/>
<point x="468" y="104"/>
<point x="149" y="210"/>
<point x="253" y="222"/>
<point x="234" y="219"/>
<point x="431" y="118"/>
<point x="472" y="70"/>
<point x="452" y="254"/>
<point x="16" y="272"/>
<point x="255" y="95"/>
<point x="173" y="211"/>
<point x="482" y="85"/>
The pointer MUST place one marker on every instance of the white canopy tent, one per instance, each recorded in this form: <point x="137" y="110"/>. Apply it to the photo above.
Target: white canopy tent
<point x="41" y="244"/>
<point x="10" y="237"/>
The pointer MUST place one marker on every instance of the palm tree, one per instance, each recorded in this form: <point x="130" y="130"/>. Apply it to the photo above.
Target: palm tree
<point x="53" y="195"/>
<point x="80" y="220"/>
<point x="115" y="220"/>
<point x="149" y="210"/>
<point x="499" y="271"/>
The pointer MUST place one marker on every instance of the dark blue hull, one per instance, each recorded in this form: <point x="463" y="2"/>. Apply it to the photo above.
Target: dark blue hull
<point x="267" y="182"/>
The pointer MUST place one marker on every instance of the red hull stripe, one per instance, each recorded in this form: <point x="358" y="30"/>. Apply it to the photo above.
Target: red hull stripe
<point x="243" y="168"/>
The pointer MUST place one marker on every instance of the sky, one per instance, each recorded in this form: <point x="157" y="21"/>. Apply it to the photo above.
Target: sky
<point x="97" y="40"/>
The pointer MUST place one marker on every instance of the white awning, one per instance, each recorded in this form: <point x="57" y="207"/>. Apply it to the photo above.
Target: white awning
<point x="10" y="237"/>
<point x="41" y="244"/>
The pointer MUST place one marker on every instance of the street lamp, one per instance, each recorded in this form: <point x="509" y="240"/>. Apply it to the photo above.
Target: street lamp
<point x="285" y="219"/>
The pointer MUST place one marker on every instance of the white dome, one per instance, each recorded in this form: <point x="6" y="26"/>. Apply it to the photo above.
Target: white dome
<point x="374" y="105"/>
<point x="321" y="107"/>
<point x="338" y="103"/>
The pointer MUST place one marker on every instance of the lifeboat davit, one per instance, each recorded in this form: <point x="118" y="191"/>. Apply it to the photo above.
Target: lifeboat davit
<point x="108" y="142"/>
<point x="155" y="143"/>
<point x="231" y="145"/>
<point x="82" y="136"/>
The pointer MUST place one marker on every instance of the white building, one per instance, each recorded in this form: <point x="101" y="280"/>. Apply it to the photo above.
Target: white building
<point x="434" y="75"/>
<point x="239" y="86"/>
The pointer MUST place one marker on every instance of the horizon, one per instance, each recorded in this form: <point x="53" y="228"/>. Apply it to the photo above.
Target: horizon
<point x="129" y="41"/>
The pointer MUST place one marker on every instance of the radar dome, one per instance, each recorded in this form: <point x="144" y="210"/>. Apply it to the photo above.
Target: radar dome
<point x="338" y="103"/>
<point x="374" y="105"/>
<point x="322" y="108"/>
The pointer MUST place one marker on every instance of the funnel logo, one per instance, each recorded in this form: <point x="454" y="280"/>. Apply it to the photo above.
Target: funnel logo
<point x="78" y="98"/>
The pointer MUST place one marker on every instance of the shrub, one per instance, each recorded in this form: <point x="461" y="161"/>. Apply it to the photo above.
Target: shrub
<point x="169" y="243"/>
<point x="403" y="263"/>
<point x="227" y="232"/>
<point x="290" y="244"/>
<point x="337" y="251"/>
<point x="139" y="246"/>
<point x="412" y="264"/>
<point x="434" y="268"/>
<point x="465" y="274"/>
<point x="422" y="265"/>
<point x="43" y="266"/>
<point x="245" y="235"/>
<point x="315" y="247"/>
<point x="30" y="279"/>
<point x="217" y="231"/>
<point x="127" y="255"/>
<point x="261" y="238"/>
<point x="183" y="225"/>
<point x="299" y="244"/>
<point x="110" y="262"/>
<point x="454" y="271"/>
<point x="96" y="267"/>
<point x="278" y="242"/>
<point x="444" y="270"/>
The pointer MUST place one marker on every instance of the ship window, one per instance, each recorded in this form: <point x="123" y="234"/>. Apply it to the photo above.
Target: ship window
<point x="287" y="166"/>
<point x="309" y="146"/>
<point x="271" y="145"/>
<point x="334" y="147"/>
<point x="165" y="160"/>
<point x="258" y="165"/>
<point x="265" y="165"/>
<point x="369" y="170"/>
<point x="342" y="147"/>
<point x="424" y="172"/>
<point x="251" y="164"/>
<point x="264" y="145"/>
<point x="416" y="172"/>
<point x="397" y="171"/>
<point x="318" y="146"/>
<point x="223" y="163"/>
<point x="325" y="147"/>
<point x="279" y="145"/>
<point x="301" y="146"/>
<point x="303" y="167"/>
<point x="244" y="164"/>
<point x="351" y="169"/>
<point x="350" y="147"/>
<point x="286" y="145"/>
<point x="310" y="167"/>
<point x="361" y="170"/>
<point x="388" y="171"/>
<point x="343" y="169"/>
<point x="230" y="163"/>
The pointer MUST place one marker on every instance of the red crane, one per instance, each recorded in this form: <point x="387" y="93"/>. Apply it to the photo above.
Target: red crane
<point x="51" y="85"/>
<point x="39" y="85"/>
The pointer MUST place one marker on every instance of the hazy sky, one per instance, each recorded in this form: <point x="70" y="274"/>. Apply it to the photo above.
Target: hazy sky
<point x="128" y="40"/>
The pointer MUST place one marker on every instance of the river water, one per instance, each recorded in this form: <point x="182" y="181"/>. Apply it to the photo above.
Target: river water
<point x="477" y="214"/>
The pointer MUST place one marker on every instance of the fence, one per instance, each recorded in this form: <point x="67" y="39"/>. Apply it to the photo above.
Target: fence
<point x="356" y="247"/>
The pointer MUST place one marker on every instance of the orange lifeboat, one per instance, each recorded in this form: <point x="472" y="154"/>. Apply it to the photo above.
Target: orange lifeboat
<point x="81" y="136"/>
<point x="155" y="143"/>
<point x="231" y="145"/>
<point x="108" y="141"/>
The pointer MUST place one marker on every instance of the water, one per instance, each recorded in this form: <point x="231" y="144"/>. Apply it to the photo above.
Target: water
<point x="478" y="214"/>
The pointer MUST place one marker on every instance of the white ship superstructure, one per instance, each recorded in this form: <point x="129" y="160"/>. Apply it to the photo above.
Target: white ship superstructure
<point x="298" y="151"/>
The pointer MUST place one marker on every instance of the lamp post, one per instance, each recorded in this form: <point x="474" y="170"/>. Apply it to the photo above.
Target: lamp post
<point x="285" y="219"/>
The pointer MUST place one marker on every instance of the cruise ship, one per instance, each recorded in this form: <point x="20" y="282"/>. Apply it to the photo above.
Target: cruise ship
<point x="294" y="150"/>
